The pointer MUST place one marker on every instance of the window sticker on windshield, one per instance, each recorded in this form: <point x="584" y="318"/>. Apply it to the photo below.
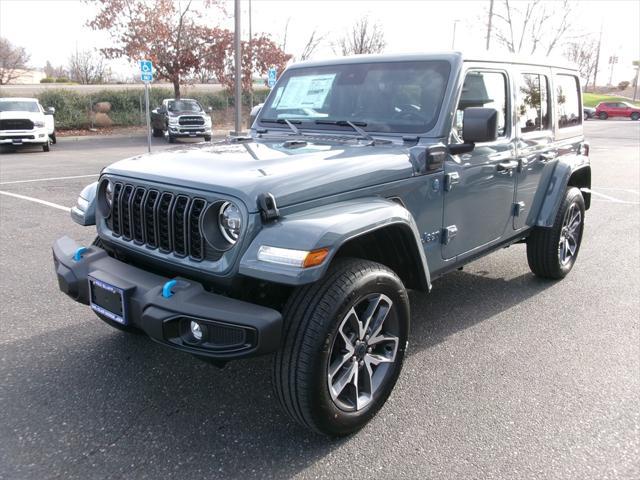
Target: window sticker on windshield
<point x="306" y="91"/>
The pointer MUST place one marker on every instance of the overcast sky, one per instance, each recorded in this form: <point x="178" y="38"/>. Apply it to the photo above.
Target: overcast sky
<point x="52" y="29"/>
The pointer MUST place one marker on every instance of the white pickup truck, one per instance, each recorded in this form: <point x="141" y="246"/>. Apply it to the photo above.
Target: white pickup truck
<point x="23" y="121"/>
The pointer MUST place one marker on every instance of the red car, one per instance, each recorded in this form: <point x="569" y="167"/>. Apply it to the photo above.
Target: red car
<point x="605" y="110"/>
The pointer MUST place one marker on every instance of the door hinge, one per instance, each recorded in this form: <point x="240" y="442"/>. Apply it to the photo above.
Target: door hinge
<point x="449" y="233"/>
<point x="518" y="208"/>
<point x="450" y="179"/>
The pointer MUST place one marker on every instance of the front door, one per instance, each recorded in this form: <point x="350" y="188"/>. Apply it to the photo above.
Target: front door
<point x="479" y="186"/>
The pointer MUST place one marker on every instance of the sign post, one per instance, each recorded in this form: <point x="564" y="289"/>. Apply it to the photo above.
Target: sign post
<point x="273" y="75"/>
<point x="146" y="75"/>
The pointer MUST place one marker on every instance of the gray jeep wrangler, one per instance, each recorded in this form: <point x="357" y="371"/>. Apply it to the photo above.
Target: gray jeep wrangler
<point x="363" y="177"/>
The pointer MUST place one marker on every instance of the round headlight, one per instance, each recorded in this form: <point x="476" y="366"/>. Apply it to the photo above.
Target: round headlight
<point x="230" y="222"/>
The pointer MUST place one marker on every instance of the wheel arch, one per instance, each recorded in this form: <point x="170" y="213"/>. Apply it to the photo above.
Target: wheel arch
<point x="369" y="228"/>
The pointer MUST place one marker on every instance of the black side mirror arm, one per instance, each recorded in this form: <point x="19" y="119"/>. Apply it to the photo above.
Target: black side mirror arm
<point x="460" y="148"/>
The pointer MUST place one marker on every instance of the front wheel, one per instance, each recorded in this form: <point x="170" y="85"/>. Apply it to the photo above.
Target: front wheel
<point x="172" y="139"/>
<point x="552" y="252"/>
<point x="46" y="147"/>
<point x="53" y="138"/>
<point x="207" y="138"/>
<point x="157" y="132"/>
<point x="603" y="116"/>
<point x="343" y="346"/>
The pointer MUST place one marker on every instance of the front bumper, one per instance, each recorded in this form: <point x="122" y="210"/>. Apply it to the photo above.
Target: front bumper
<point x="233" y="328"/>
<point x="37" y="136"/>
<point x="189" y="131"/>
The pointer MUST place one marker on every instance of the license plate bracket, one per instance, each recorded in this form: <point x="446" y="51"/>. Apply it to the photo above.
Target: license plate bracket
<point x="108" y="300"/>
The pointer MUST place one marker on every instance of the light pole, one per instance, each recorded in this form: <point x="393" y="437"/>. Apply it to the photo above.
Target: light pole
<point x="453" y="38"/>
<point x="238" y="68"/>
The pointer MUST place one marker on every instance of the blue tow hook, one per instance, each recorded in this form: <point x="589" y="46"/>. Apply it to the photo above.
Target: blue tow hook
<point x="166" y="289"/>
<point x="79" y="252"/>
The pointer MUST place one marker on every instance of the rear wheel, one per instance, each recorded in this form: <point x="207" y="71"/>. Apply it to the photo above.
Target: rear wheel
<point x="635" y="116"/>
<point x="552" y="252"/>
<point x="343" y="346"/>
<point x="603" y="115"/>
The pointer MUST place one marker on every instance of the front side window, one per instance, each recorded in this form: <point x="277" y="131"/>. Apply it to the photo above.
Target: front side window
<point x="568" y="101"/>
<point x="393" y="97"/>
<point x="533" y="103"/>
<point x="484" y="89"/>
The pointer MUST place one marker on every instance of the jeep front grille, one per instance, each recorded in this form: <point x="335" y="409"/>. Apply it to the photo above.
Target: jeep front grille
<point x="164" y="220"/>
<point x="191" y="120"/>
<point x="16" y="124"/>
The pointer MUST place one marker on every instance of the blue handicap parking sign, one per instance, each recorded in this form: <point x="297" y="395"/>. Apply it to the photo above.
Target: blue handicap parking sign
<point x="146" y="70"/>
<point x="272" y="77"/>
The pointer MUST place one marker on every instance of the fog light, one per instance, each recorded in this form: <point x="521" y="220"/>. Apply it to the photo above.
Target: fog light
<point x="196" y="330"/>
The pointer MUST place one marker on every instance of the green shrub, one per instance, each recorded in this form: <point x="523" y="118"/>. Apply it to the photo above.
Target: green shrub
<point x="62" y="80"/>
<point x="76" y="110"/>
<point x="48" y="80"/>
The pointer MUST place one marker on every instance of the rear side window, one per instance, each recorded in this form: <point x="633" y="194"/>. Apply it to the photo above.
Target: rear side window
<point x="568" y="101"/>
<point x="484" y="89"/>
<point x="533" y="103"/>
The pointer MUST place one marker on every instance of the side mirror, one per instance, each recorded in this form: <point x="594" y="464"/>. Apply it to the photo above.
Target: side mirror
<point x="49" y="111"/>
<point x="209" y="109"/>
<point x="478" y="125"/>
<point x="255" y="111"/>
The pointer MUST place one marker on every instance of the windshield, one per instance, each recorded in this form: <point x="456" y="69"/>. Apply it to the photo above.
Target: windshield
<point x="184" y="106"/>
<point x="18" y="106"/>
<point x="393" y="97"/>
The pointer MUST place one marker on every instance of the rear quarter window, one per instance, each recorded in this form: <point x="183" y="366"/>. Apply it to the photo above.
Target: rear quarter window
<point x="568" y="101"/>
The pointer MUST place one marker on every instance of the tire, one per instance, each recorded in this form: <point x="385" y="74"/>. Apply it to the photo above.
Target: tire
<point x="53" y="138"/>
<point x="172" y="139"/>
<point x="549" y="249"/>
<point x="157" y="133"/>
<point x="635" y="116"/>
<point x="314" y="317"/>
<point x="207" y="138"/>
<point x="46" y="147"/>
<point x="603" y="115"/>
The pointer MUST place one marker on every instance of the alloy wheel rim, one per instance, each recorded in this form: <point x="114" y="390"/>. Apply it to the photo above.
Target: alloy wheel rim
<point x="363" y="352"/>
<point x="569" y="235"/>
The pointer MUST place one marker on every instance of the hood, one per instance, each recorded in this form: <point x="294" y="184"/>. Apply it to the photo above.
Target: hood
<point x="174" y="113"/>
<point x="292" y="175"/>
<point x="15" y="115"/>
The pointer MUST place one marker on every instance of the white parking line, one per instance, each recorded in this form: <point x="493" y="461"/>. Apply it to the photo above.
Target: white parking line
<point x="48" y="179"/>
<point x="610" y="198"/>
<point x="36" y="200"/>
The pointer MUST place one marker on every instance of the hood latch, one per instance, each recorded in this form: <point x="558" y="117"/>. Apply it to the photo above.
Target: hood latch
<point x="268" y="207"/>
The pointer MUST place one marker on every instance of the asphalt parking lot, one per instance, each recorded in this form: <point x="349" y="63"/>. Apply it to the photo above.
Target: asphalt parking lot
<point x="507" y="376"/>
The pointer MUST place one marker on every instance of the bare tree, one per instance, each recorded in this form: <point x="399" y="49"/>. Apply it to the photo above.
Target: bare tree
<point x="532" y="26"/>
<point x="55" y="72"/>
<point x="13" y="60"/>
<point x="86" y="67"/>
<point x="584" y="54"/>
<point x="363" y="37"/>
<point x="312" y="44"/>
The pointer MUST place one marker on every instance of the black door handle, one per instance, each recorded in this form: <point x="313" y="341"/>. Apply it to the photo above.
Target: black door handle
<point x="506" y="166"/>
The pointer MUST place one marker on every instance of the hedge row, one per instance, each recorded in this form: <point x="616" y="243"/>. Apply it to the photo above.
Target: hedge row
<point x="76" y="110"/>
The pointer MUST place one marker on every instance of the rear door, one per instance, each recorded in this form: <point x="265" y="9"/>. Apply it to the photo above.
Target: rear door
<point x="479" y="186"/>
<point x="534" y="132"/>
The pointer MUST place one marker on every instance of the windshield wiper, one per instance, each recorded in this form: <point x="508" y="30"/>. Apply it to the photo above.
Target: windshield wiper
<point x="290" y="123"/>
<point x="356" y="126"/>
